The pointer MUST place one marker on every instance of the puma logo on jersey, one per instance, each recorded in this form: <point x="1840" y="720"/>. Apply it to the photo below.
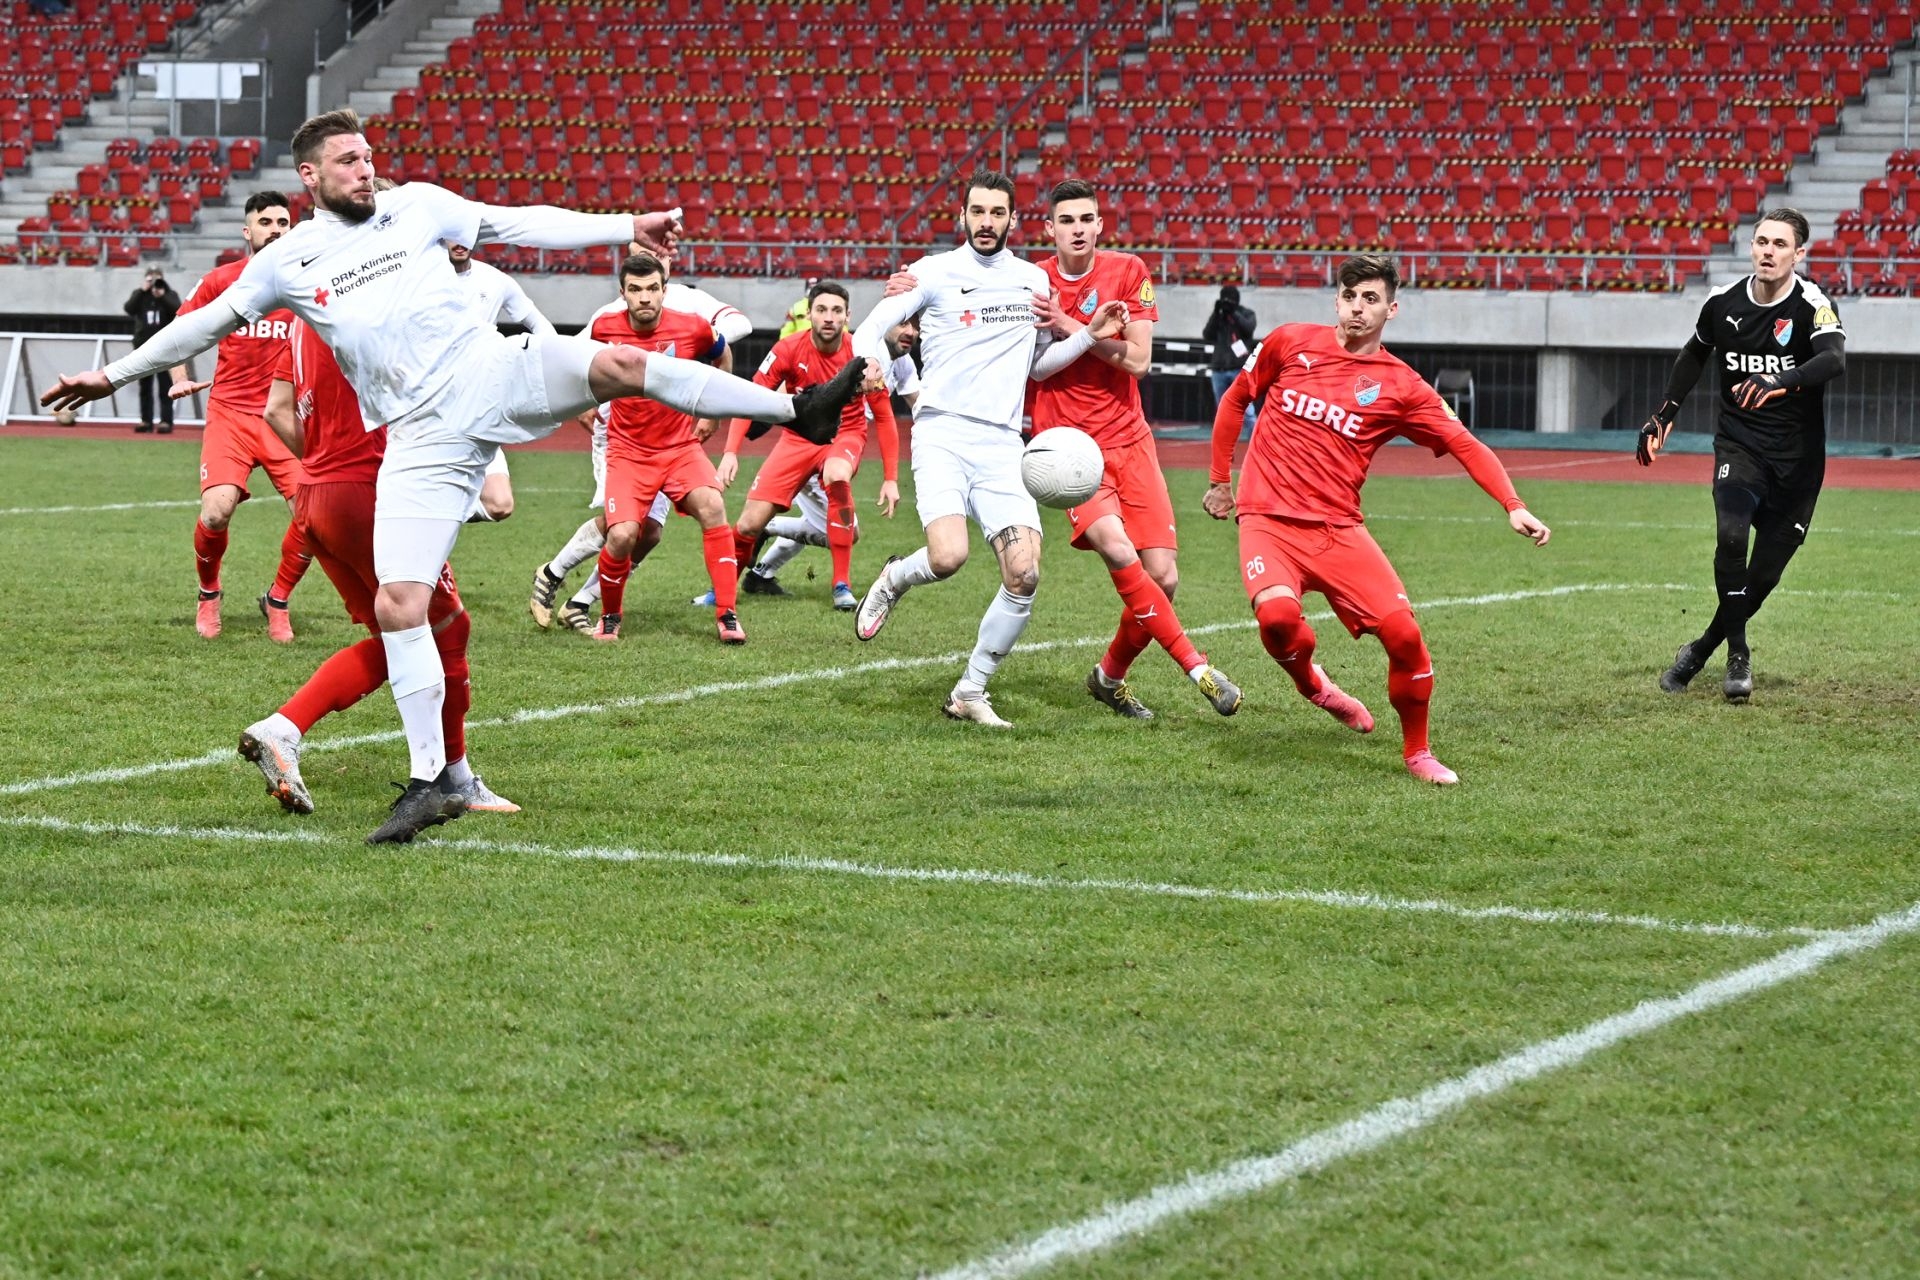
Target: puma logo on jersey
<point x="1302" y="358"/>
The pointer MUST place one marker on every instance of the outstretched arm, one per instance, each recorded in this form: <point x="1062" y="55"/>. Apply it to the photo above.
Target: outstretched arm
<point x="187" y="336"/>
<point x="1218" y="500"/>
<point x="1484" y="466"/>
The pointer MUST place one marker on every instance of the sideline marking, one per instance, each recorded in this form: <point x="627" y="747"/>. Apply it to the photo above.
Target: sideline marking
<point x="111" y="506"/>
<point x="1401" y="1116"/>
<point x="1373" y="516"/>
<point x="532" y="714"/>
<point x="948" y="875"/>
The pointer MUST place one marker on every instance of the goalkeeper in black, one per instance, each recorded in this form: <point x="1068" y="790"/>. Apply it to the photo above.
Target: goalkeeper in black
<point x="1779" y="343"/>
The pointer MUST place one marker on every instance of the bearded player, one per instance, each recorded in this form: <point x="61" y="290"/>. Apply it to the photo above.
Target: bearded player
<point x="1128" y="522"/>
<point x="1333" y="397"/>
<point x="236" y="438"/>
<point x="806" y="359"/>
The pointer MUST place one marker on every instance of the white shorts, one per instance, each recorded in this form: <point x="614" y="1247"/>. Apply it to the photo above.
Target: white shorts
<point x="967" y="468"/>
<point x="511" y="390"/>
<point x="498" y="467"/>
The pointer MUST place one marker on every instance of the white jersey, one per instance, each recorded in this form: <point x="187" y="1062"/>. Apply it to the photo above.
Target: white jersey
<point x="977" y="334"/>
<point x="902" y="377"/>
<point x="382" y="293"/>
<point x="494" y="295"/>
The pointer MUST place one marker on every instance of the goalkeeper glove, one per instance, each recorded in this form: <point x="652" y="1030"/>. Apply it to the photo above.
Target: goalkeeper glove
<point x="1653" y="434"/>
<point x="1759" y="390"/>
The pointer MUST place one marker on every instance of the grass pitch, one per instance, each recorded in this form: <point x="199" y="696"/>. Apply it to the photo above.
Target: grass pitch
<point x="684" y="1016"/>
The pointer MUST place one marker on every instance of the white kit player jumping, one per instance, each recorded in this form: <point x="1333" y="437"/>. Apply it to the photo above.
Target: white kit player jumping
<point x="369" y="272"/>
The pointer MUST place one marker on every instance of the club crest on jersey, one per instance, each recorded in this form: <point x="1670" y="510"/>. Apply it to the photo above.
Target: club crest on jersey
<point x="668" y="349"/>
<point x="1365" y="390"/>
<point x="1783" y="331"/>
<point x="382" y="222"/>
<point x="1090" y="302"/>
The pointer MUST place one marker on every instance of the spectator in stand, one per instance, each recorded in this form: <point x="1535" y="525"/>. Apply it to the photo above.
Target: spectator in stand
<point x="153" y="306"/>
<point x="1230" y="329"/>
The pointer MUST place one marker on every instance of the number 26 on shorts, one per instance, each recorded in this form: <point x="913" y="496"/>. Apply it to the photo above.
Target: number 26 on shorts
<point x="1255" y="567"/>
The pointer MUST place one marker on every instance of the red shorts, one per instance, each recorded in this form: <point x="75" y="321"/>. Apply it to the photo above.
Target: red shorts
<point x="337" y="516"/>
<point x="794" y="459"/>
<point x="632" y="484"/>
<point x="1341" y="562"/>
<point x="1135" y="490"/>
<point x="234" y="443"/>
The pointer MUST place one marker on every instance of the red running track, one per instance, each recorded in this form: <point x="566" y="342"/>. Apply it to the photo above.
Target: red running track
<point x="1397" y="460"/>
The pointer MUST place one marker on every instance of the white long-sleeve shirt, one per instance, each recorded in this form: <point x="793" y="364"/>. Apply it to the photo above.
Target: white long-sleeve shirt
<point x="494" y="296"/>
<point x="381" y="292"/>
<point x="977" y="337"/>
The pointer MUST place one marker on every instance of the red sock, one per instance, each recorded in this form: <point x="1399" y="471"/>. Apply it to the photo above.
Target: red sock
<point x="719" y="545"/>
<point x="451" y="641"/>
<point x="1288" y="637"/>
<point x="1130" y="640"/>
<point x="1409" y="679"/>
<point x="613" y="581"/>
<point x="1148" y="605"/>
<point x="840" y="529"/>
<point x="294" y="559"/>
<point x="208" y="547"/>
<point x="341" y="681"/>
<point x="742" y="555"/>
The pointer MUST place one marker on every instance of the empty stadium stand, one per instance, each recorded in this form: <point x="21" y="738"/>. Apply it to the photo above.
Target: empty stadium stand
<point x="1537" y="145"/>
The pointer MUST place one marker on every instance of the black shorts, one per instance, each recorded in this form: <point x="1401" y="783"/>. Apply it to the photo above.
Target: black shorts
<point x="1786" y="489"/>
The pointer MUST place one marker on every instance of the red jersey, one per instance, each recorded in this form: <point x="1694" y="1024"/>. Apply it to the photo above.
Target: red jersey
<point x="338" y="444"/>
<point x="244" y="369"/>
<point x="1091" y="394"/>
<point x="636" y="425"/>
<point x="796" y="363"/>
<point x="1327" y="413"/>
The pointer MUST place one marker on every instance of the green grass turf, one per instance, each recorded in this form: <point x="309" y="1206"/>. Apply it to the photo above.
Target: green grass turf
<point x="315" y="1058"/>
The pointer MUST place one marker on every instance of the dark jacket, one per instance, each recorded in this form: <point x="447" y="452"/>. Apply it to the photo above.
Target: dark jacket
<point x="1229" y="323"/>
<point x="151" y="311"/>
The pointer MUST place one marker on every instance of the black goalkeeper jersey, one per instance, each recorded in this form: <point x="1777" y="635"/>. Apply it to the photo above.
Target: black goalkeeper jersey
<point x="1749" y="339"/>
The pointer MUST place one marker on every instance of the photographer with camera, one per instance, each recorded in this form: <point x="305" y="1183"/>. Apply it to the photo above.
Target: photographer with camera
<point x="1230" y="329"/>
<point x="153" y="306"/>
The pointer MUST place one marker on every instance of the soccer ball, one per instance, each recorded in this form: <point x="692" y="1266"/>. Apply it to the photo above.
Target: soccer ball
<point x="1062" y="467"/>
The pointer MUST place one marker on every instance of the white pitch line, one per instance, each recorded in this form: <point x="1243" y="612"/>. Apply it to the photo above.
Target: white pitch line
<point x="1402" y="1116"/>
<point x="111" y="506"/>
<point x="1373" y="517"/>
<point x="802" y="864"/>
<point x="126" y="773"/>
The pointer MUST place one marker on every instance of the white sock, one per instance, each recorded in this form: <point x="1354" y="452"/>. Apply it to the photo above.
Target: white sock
<point x="582" y="546"/>
<point x="706" y="392"/>
<point x="775" y="557"/>
<point x="796" y="529"/>
<point x="589" y="593"/>
<point x="281" y="726"/>
<point x="913" y="571"/>
<point x="459" y="772"/>
<point x="1000" y="629"/>
<point x="419" y="685"/>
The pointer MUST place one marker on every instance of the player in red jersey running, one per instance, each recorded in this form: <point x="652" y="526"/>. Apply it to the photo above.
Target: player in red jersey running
<point x="653" y="448"/>
<point x="236" y="439"/>
<point x="1333" y="397"/>
<point x="314" y="411"/>
<point x="807" y="359"/>
<point x="1128" y="522"/>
